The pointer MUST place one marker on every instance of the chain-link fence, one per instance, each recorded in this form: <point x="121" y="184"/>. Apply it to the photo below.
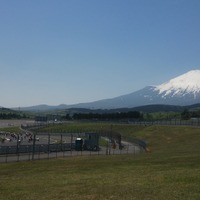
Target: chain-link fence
<point x="27" y="146"/>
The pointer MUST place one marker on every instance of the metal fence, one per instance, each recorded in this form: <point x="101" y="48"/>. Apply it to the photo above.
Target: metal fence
<point x="173" y="122"/>
<point x="46" y="146"/>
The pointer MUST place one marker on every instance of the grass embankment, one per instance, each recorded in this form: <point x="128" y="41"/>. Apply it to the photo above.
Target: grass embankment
<point x="170" y="171"/>
<point x="11" y="130"/>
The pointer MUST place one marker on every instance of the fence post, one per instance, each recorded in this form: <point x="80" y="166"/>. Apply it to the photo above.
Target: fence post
<point x="17" y="149"/>
<point x="62" y="149"/>
<point x="28" y="149"/>
<point x="7" y="154"/>
<point x="61" y="141"/>
<point x="57" y="150"/>
<point x="39" y="152"/>
<point x="18" y="141"/>
<point x="71" y="143"/>
<point x="33" y="147"/>
<point x="48" y="148"/>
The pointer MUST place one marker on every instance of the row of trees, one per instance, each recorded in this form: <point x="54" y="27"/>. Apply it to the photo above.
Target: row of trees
<point x="188" y="114"/>
<point x="131" y="115"/>
<point x="11" y="115"/>
<point x="135" y="115"/>
<point x="108" y="116"/>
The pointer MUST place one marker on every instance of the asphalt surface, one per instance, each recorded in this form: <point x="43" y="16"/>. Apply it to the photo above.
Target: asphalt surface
<point x="129" y="149"/>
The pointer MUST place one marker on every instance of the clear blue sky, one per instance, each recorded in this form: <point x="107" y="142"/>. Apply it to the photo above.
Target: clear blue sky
<point x="75" y="51"/>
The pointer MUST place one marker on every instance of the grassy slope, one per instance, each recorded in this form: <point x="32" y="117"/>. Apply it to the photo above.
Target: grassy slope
<point x="170" y="171"/>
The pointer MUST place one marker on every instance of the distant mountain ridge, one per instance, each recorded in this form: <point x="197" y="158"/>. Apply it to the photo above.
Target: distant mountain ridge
<point x="181" y="91"/>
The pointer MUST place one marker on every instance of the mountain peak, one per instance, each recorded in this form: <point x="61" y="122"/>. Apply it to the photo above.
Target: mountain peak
<point x="186" y="83"/>
<point x="182" y="90"/>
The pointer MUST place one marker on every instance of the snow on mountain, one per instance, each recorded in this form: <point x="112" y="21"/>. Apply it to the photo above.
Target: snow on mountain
<point x="182" y="91"/>
<point x="188" y="83"/>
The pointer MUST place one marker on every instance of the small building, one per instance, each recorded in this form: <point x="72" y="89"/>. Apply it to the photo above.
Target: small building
<point x="79" y="144"/>
<point x="92" y="141"/>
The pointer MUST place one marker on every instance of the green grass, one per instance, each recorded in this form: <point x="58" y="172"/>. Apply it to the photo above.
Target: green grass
<point x="12" y="130"/>
<point x="171" y="171"/>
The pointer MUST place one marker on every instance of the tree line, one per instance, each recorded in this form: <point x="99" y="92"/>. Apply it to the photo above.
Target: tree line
<point x="12" y="115"/>
<point x="134" y="115"/>
<point x="190" y="114"/>
<point x="107" y="116"/>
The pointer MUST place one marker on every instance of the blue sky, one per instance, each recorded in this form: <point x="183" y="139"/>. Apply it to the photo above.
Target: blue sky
<point x="74" y="51"/>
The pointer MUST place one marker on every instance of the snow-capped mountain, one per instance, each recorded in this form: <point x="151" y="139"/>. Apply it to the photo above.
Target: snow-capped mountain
<point x="186" y="84"/>
<point x="182" y="91"/>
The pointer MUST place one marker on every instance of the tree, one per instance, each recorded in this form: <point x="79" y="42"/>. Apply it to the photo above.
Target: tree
<point x="185" y="115"/>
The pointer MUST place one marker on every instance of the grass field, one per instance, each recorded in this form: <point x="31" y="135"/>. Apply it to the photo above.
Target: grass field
<point x="171" y="171"/>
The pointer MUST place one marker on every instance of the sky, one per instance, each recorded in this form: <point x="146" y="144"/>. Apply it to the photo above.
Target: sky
<point x="75" y="51"/>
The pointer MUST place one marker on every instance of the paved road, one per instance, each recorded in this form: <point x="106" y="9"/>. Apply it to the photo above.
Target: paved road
<point x="129" y="149"/>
